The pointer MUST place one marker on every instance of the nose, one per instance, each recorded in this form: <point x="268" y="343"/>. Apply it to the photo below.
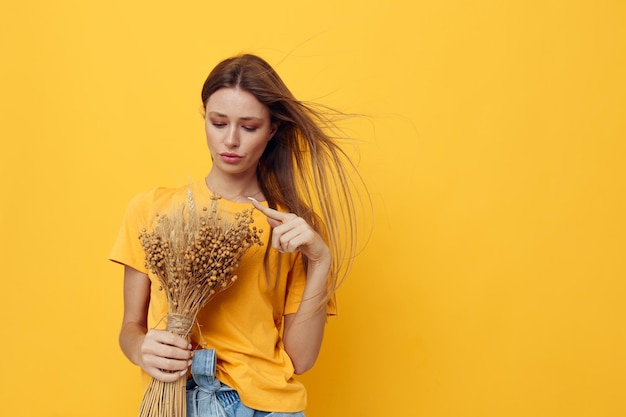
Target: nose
<point x="232" y="138"/>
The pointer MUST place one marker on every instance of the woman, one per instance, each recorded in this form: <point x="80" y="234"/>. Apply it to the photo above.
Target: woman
<point x="273" y="152"/>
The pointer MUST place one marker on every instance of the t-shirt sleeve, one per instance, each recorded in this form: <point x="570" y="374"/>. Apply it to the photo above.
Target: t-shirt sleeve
<point x="127" y="248"/>
<point x="295" y="290"/>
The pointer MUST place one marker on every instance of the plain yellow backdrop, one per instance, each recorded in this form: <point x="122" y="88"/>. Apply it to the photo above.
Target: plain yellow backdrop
<point x="493" y="283"/>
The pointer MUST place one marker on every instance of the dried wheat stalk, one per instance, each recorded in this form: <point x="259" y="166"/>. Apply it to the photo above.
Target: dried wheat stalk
<point x="194" y="255"/>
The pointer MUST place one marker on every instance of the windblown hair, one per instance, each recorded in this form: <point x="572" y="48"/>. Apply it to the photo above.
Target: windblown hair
<point x="303" y="168"/>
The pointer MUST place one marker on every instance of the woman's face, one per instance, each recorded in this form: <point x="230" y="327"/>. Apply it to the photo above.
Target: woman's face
<point x="238" y="128"/>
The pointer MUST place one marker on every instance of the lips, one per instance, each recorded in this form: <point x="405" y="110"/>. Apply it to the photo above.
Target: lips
<point x="230" y="157"/>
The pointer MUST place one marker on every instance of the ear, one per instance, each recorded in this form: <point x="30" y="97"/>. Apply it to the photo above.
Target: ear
<point x="273" y="130"/>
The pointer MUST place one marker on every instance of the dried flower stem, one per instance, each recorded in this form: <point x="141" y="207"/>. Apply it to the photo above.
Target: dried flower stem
<point x="194" y="256"/>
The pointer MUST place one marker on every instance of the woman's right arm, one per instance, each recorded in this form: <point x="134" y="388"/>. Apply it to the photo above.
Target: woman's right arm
<point x="161" y="354"/>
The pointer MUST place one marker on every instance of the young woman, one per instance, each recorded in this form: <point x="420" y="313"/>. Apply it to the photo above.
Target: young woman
<point x="277" y="154"/>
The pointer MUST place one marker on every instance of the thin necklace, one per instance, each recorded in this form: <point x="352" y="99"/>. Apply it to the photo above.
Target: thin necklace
<point x="239" y="198"/>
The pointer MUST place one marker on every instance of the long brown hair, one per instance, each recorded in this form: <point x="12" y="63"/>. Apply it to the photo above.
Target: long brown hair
<point x="303" y="169"/>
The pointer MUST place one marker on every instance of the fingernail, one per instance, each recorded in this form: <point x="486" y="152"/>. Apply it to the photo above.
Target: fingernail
<point x="189" y="362"/>
<point x="189" y="346"/>
<point x="183" y="372"/>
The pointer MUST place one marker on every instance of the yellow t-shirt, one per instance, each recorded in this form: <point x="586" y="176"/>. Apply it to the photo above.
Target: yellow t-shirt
<point x="243" y="323"/>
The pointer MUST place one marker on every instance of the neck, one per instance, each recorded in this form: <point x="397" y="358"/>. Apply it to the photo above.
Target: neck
<point x="234" y="189"/>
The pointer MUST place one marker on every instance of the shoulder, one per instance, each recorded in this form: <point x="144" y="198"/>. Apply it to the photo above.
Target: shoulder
<point x="156" y="199"/>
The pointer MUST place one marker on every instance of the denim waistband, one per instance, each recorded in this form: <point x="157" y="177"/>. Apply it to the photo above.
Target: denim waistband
<point x="205" y="393"/>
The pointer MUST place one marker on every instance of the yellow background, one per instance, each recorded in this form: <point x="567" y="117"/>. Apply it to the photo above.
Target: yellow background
<point x="493" y="147"/>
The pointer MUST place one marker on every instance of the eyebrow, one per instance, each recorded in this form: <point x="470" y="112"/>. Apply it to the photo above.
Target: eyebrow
<point x="214" y="113"/>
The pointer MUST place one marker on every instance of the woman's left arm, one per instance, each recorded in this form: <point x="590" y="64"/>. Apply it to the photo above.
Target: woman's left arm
<point x="304" y="330"/>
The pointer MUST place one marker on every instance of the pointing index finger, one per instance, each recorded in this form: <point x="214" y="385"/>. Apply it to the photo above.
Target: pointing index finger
<point x="269" y="212"/>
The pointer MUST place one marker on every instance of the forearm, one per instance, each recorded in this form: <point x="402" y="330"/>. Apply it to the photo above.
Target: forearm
<point x="304" y="330"/>
<point x="131" y="338"/>
<point x="134" y="323"/>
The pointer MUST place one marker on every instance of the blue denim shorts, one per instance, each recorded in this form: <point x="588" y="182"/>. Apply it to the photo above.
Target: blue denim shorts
<point x="208" y="397"/>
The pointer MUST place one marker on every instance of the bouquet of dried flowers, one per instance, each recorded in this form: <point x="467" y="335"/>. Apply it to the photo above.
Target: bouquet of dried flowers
<point x="194" y="255"/>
